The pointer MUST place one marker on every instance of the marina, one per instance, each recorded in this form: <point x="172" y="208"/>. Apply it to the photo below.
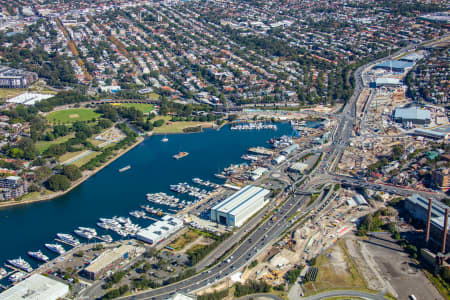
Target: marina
<point x="103" y="194"/>
<point x="254" y="126"/>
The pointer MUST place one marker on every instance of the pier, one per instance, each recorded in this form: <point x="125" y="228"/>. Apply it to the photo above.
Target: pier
<point x="66" y="243"/>
<point x="150" y="218"/>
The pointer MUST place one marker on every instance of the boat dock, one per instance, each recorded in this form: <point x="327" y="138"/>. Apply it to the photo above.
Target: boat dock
<point x="101" y="239"/>
<point x="14" y="268"/>
<point x="151" y="218"/>
<point x="65" y="242"/>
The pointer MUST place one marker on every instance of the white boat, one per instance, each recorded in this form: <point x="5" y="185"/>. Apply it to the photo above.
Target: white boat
<point x="57" y="248"/>
<point x="125" y="168"/>
<point x="84" y="234"/>
<point x="16" y="277"/>
<point x="106" y="238"/>
<point x="3" y="273"/>
<point x="164" y="140"/>
<point x="103" y="225"/>
<point x="68" y="239"/>
<point x="38" y="255"/>
<point x="21" y="264"/>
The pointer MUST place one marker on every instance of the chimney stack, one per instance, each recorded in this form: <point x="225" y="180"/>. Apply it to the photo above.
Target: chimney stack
<point x="427" y="237"/>
<point x="444" y="238"/>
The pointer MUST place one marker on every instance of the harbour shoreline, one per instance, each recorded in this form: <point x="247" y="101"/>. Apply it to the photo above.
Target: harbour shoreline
<point x="87" y="174"/>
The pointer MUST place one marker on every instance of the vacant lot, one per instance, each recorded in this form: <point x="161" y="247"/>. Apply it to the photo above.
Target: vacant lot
<point x="71" y="115"/>
<point x="405" y="276"/>
<point x="336" y="271"/>
<point x="176" y="127"/>
<point x="183" y="240"/>
<point x="145" y="108"/>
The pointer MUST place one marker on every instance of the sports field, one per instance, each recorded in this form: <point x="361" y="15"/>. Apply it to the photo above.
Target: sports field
<point x="139" y="106"/>
<point x="71" y="115"/>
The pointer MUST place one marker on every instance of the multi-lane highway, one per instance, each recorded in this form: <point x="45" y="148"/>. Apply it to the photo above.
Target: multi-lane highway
<point x="270" y="230"/>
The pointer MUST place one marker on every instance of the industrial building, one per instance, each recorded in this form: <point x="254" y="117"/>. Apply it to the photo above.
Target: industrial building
<point x="240" y="206"/>
<point x="108" y="260"/>
<point x="161" y="230"/>
<point x="36" y="287"/>
<point x="397" y="66"/>
<point x="387" y="82"/>
<point x="436" y="135"/>
<point x="13" y="78"/>
<point x="432" y="213"/>
<point x="298" y="167"/>
<point x="257" y="173"/>
<point x="290" y="149"/>
<point x="414" y="115"/>
<point x="278" y="160"/>
<point x="441" y="179"/>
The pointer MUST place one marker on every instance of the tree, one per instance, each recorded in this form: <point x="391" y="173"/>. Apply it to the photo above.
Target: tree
<point x="58" y="183"/>
<point x="43" y="173"/>
<point x="72" y="172"/>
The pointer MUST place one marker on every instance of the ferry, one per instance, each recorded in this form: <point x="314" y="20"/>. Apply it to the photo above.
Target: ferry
<point x="16" y="277"/>
<point x="180" y="155"/>
<point x="68" y="239"/>
<point x="21" y="264"/>
<point x="38" y="255"/>
<point x="126" y="168"/>
<point x="56" y="248"/>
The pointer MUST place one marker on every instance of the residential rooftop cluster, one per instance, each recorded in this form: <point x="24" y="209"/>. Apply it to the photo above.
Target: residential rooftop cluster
<point x="211" y="52"/>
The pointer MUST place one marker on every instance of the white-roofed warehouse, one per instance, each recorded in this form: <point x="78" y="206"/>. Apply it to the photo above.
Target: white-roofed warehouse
<point x="240" y="206"/>
<point x="36" y="287"/>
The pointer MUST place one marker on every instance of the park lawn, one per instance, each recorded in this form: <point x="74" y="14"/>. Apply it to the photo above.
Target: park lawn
<point x="71" y="115"/>
<point x="85" y="159"/>
<point x="332" y="277"/>
<point x="95" y="142"/>
<point x="41" y="146"/>
<point x="175" y="127"/>
<point x="144" y="107"/>
<point x="183" y="240"/>
<point x="68" y="155"/>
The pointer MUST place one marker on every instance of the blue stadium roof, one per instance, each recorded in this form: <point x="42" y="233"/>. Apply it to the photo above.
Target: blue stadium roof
<point x="396" y="64"/>
<point x="412" y="113"/>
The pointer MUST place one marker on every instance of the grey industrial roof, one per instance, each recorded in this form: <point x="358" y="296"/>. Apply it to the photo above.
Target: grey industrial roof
<point x="396" y="64"/>
<point x="240" y="198"/>
<point x="412" y="113"/>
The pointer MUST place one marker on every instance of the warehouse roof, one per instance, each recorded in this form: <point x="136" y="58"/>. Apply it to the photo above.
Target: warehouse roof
<point x="437" y="210"/>
<point x="240" y="199"/>
<point x="388" y="81"/>
<point x="36" y="287"/>
<point x="107" y="258"/>
<point x="412" y="57"/>
<point x="395" y="64"/>
<point x="412" y="113"/>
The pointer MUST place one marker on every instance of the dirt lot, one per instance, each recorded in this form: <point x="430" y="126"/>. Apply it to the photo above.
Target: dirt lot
<point x="336" y="270"/>
<point x="398" y="269"/>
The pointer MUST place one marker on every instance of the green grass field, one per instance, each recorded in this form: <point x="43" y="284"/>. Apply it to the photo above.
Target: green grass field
<point x="174" y="127"/>
<point x="145" y="108"/>
<point x="71" y="115"/>
<point x="41" y="146"/>
<point x="85" y="159"/>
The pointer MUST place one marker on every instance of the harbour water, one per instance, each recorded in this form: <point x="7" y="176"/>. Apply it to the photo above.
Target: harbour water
<point x="111" y="193"/>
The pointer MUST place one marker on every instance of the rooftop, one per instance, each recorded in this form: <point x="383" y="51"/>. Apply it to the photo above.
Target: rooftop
<point x="36" y="287"/>
<point x="396" y="64"/>
<point x="412" y="113"/>
<point x="108" y="257"/>
<point x="240" y="198"/>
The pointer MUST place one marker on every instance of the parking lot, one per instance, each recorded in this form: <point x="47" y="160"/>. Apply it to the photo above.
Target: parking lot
<point x="398" y="269"/>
